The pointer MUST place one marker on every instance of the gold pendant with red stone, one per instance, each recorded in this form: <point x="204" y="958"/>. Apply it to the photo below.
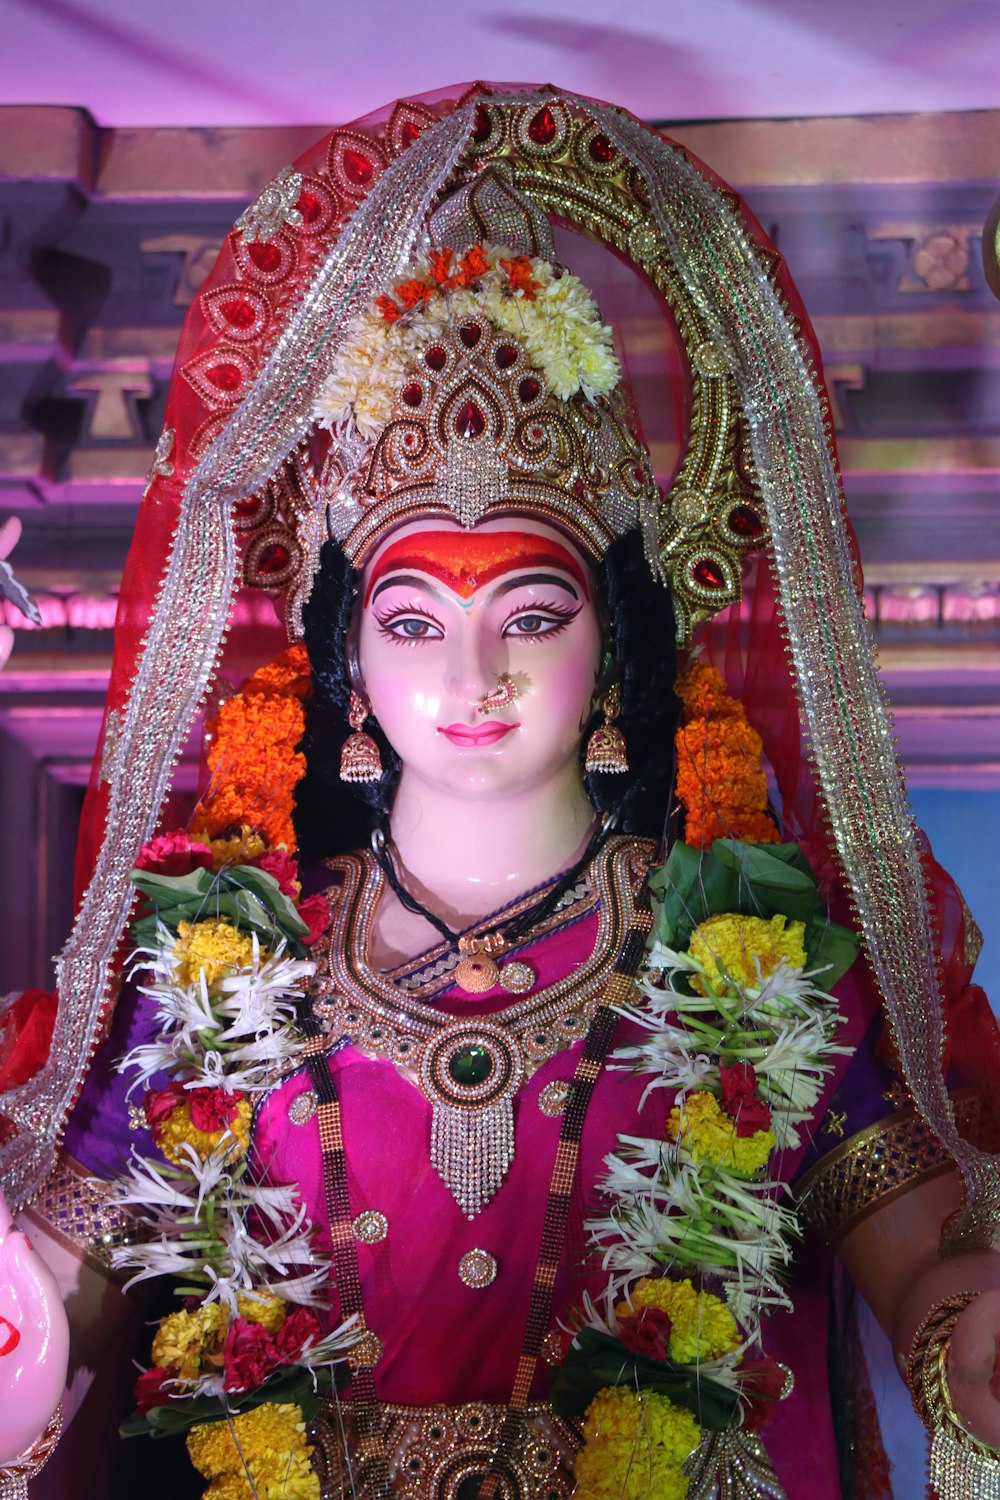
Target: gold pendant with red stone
<point x="476" y="972"/>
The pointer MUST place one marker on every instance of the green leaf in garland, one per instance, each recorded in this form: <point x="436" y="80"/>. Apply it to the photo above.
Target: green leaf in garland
<point x="596" y="1361"/>
<point x="759" y="880"/>
<point x="248" y="897"/>
<point x="296" y="1385"/>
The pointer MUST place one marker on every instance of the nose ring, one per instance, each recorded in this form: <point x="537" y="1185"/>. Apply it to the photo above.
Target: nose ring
<point x="505" y="693"/>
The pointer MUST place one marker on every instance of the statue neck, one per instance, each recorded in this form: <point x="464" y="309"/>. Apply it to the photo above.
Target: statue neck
<point x="466" y="856"/>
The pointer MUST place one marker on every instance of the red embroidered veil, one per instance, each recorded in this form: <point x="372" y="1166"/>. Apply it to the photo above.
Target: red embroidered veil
<point x="724" y="369"/>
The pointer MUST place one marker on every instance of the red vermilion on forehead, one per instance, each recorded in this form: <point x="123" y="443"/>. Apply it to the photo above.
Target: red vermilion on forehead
<point x="465" y="561"/>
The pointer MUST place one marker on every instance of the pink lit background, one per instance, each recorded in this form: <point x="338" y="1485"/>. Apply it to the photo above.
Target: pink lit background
<point x="913" y="353"/>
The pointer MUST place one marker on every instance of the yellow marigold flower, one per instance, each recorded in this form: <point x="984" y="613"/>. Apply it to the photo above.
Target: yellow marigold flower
<point x="702" y="1325"/>
<point x="239" y="849"/>
<point x="262" y="1307"/>
<point x="260" y="1455"/>
<point x="185" y="1339"/>
<point x="177" y="1130"/>
<point x="215" y="949"/>
<point x="727" y="946"/>
<point x="634" y="1446"/>
<point x="709" y="1134"/>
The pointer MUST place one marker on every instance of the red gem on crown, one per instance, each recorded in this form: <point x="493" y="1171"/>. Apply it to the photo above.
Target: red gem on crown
<point x="470" y="422"/>
<point x="542" y="127"/>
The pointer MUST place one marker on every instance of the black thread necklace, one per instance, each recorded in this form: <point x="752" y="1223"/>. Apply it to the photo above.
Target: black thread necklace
<point x="477" y="970"/>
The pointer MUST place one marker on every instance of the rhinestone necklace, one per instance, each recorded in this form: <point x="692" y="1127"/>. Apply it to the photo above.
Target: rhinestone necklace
<point x="469" y="1067"/>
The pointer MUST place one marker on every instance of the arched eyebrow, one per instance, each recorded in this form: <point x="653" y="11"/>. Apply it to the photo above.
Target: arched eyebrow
<point x="411" y="580"/>
<point x="522" y="581"/>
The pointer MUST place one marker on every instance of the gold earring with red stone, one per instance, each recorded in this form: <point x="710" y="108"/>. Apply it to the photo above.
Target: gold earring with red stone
<point x="606" y="748"/>
<point x="359" y="756"/>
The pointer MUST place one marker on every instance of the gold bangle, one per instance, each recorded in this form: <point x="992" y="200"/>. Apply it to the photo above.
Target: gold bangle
<point x="961" y="1465"/>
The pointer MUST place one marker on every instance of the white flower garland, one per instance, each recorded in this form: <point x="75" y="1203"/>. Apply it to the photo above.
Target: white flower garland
<point x="550" y="313"/>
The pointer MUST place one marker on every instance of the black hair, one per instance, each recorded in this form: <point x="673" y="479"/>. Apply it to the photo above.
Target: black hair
<point x="333" y="816"/>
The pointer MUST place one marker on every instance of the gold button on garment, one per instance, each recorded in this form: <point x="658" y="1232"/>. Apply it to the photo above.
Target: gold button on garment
<point x="370" y="1226"/>
<point x="517" y="978"/>
<point x="552" y="1099"/>
<point x="477" y="1268"/>
<point x="366" y="1353"/>
<point x="302" y="1108"/>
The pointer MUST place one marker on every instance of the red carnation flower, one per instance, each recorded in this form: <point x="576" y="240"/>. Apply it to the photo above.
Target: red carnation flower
<point x="212" y="1109"/>
<point x="299" y="1327"/>
<point x="648" y="1333"/>
<point x="149" y="1390"/>
<point x="280" y="864"/>
<point x="249" y="1356"/>
<point x="761" y="1384"/>
<point x="740" y="1099"/>
<point x="159" y="1104"/>
<point x="174" y="854"/>
<point x="315" y="912"/>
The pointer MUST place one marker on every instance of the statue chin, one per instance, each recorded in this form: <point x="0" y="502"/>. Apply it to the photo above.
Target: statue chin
<point x="34" y="1343"/>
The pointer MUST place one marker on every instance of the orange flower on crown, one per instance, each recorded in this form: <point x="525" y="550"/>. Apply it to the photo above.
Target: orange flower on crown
<point x="412" y="293"/>
<point x="520" y="275"/>
<point x="388" y="308"/>
<point x="474" y="263"/>
<point x="440" y="261"/>
<point x="720" y="780"/>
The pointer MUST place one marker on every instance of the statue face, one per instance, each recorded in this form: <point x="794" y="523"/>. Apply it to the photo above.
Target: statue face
<point x="445" y="612"/>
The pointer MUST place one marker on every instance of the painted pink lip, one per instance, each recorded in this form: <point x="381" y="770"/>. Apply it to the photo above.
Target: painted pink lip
<point x="481" y="734"/>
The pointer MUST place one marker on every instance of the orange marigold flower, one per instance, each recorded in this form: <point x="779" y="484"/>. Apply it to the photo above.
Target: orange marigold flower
<point x="474" y="263"/>
<point x="702" y="690"/>
<point x="410" y="293"/>
<point x="720" y="780"/>
<point x="520" y="277"/>
<point x="441" y="267"/>
<point x="254" y="760"/>
<point x="288" y="673"/>
<point x="388" y="308"/>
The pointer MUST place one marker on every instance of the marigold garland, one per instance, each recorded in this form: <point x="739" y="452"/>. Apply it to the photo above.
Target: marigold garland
<point x="185" y="1340"/>
<point x="634" y="1446"/>
<point x="702" y="1327"/>
<point x="262" y="1454"/>
<point x="178" y="1130"/>
<point x="744" y="950"/>
<point x="701" y="1127"/>
<point x="720" y="782"/>
<point x="253" y="757"/>
<point x="210" y="949"/>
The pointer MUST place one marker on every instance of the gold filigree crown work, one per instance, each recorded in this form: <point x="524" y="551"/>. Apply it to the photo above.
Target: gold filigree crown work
<point x="475" y="429"/>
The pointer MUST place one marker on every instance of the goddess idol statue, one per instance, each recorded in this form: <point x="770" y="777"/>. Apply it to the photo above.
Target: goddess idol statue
<point x="497" y="1054"/>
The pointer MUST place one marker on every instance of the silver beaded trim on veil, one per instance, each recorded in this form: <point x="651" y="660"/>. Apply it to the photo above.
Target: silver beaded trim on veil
<point x="843" y="703"/>
<point x="188" y="627"/>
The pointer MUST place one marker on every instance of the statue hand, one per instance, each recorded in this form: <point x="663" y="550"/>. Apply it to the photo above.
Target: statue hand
<point x="974" y="1356"/>
<point x="34" y="1342"/>
<point x="974" y="1367"/>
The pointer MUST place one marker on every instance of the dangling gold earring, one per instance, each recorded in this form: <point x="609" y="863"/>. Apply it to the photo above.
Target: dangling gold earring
<point x="359" y="757"/>
<point x="606" y="749"/>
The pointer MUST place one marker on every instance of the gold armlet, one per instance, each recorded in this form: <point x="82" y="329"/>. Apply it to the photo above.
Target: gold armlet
<point x="877" y="1165"/>
<point x="960" y="1465"/>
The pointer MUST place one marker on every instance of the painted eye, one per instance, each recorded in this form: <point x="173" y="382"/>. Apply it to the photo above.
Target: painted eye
<point x="537" y="624"/>
<point x="415" y="629"/>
